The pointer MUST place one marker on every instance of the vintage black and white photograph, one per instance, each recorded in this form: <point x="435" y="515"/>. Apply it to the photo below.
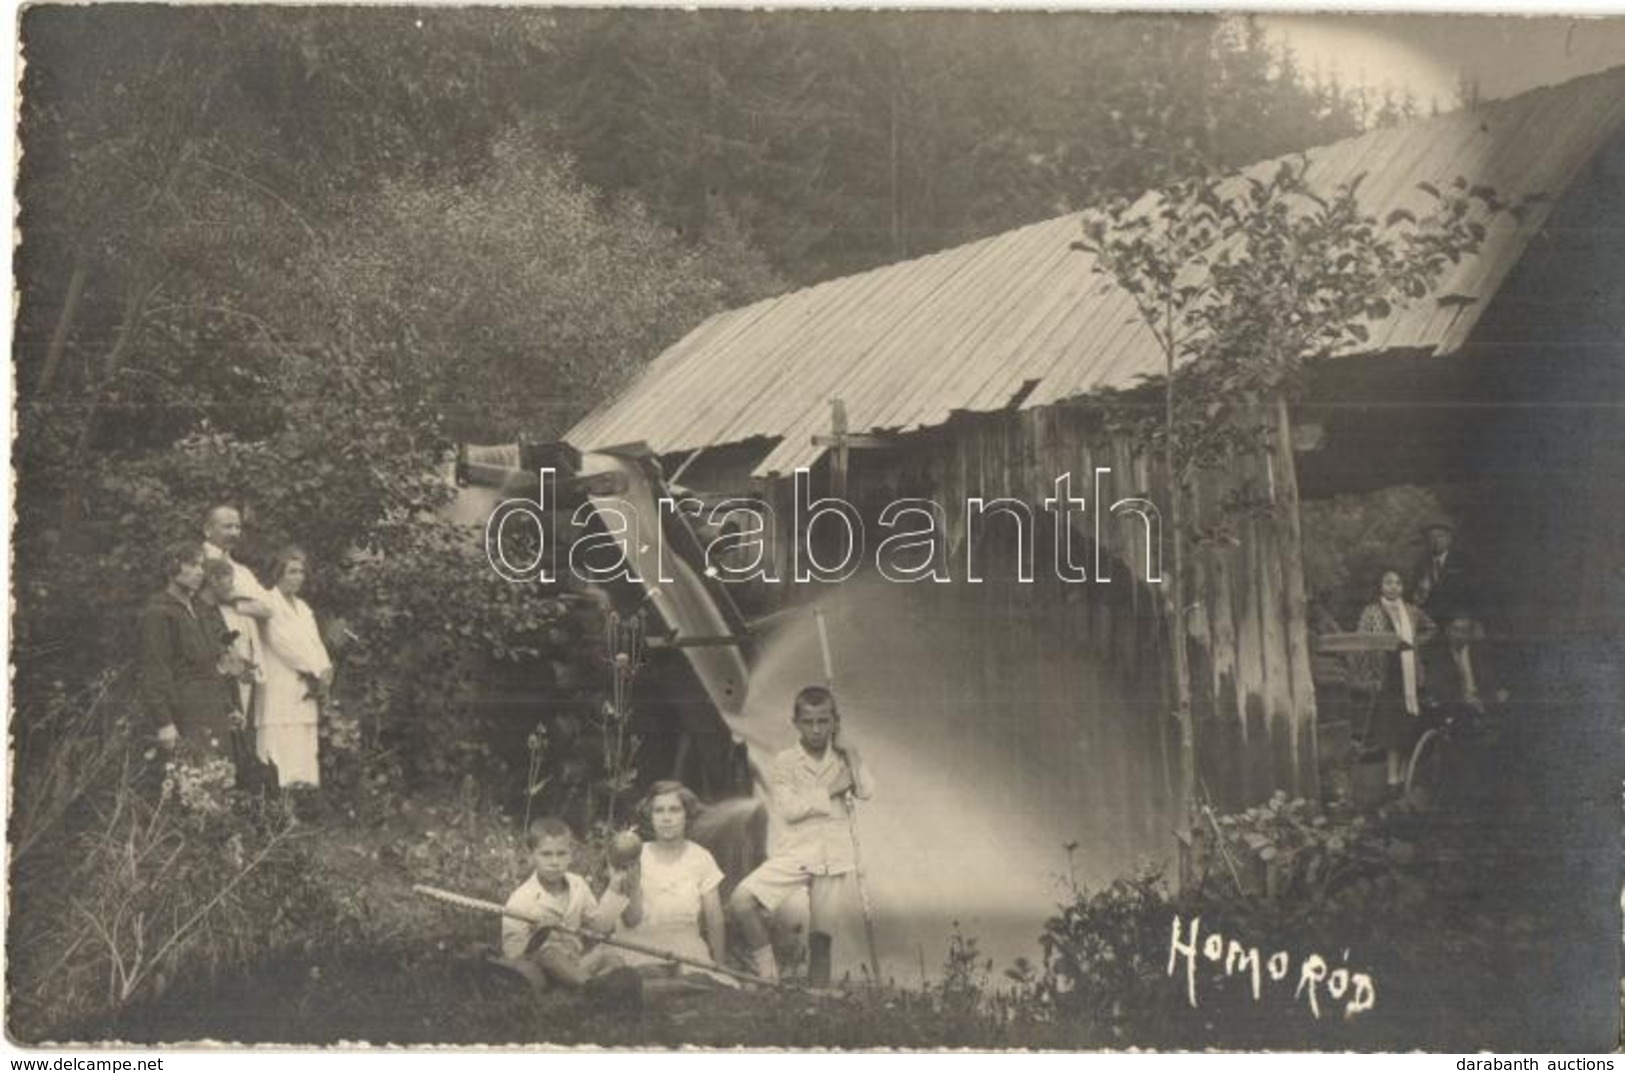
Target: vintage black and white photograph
<point x="656" y="528"/>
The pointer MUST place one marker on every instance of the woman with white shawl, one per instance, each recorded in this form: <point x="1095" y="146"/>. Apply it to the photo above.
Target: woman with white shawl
<point x="1393" y="679"/>
<point x="298" y="673"/>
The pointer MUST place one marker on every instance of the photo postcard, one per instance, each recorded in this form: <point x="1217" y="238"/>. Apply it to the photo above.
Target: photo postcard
<point x="816" y="529"/>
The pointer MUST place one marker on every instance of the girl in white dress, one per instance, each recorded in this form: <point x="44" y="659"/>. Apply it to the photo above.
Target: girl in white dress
<point x="676" y="903"/>
<point x="298" y="673"/>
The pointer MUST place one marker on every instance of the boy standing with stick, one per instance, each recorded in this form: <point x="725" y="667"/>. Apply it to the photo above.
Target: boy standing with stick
<point x="809" y="783"/>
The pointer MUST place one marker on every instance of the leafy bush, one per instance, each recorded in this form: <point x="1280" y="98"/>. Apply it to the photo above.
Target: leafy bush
<point x="69" y="745"/>
<point x="1298" y="858"/>
<point x="1104" y="960"/>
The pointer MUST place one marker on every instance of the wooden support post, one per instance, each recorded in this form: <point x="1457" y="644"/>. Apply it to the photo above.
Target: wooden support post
<point x="842" y="442"/>
<point x="843" y="451"/>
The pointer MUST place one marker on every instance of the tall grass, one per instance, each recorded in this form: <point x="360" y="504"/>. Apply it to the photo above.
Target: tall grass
<point x="132" y="868"/>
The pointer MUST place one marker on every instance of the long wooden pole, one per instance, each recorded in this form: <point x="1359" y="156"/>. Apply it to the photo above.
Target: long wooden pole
<point x="1176" y="620"/>
<point x="466" y="902"/>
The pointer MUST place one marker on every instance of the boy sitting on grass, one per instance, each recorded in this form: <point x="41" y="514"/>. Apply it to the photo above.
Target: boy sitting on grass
<point x="544" y="954"/>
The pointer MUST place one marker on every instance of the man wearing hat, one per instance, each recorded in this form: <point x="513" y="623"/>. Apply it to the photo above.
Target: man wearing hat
<point x="1442" y="585"/>
<point x="1440" y="581"/>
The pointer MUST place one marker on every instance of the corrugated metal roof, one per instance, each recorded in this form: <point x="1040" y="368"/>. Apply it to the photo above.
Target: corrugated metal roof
<point x="969" y="328"/>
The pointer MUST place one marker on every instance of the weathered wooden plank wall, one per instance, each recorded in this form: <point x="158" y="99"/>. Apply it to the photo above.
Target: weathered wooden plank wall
<point x="1071" y="674"/>
<point x="1253" y="699"/>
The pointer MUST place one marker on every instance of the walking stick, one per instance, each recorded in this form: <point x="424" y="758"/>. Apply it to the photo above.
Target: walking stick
<point x="863" y="888"/>
<point x="851" y="814"/>
<point x="465" y="902"/>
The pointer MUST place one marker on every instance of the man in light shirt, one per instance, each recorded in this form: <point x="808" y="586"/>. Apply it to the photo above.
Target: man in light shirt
<point x="247" y="607"/>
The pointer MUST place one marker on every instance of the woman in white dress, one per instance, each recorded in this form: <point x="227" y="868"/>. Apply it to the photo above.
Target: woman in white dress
<point x="298" y="673"/>
<point x="676" y="904"/>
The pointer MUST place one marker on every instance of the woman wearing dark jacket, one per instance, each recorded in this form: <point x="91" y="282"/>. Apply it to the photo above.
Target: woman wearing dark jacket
<point x="183" y="687"/>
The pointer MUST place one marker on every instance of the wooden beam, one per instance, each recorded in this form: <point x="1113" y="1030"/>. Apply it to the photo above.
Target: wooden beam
<point x="717" y="641"/>
<point x="856" y="442"/>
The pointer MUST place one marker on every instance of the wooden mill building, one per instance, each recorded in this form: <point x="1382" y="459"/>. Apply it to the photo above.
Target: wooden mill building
<point x="1494" y="403"/>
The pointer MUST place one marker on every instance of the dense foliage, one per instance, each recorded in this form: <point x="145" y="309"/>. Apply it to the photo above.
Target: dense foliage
<point x="842" y="140"/>
<point x="285" y="268"/>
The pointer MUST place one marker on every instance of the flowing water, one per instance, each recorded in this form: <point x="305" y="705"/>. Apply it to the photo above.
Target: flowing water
<point x="976" y="800"/>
